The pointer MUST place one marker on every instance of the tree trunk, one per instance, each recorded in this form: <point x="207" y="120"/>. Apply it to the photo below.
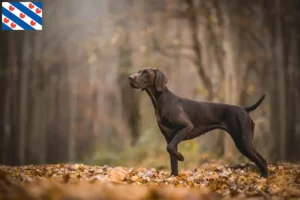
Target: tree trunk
<point x="230" y="81"/>
<point x="197" y="48"/>
<point x="281" y="83"/>
<point x="130" y="100"/>
<point x="24" y="72"/>
<point x="73" y="115"/>
<point x="292" y="77"/>
<point x="4" y="97"/>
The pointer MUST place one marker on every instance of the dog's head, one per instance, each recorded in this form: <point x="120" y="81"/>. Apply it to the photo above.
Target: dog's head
<point x="148" y="77"/>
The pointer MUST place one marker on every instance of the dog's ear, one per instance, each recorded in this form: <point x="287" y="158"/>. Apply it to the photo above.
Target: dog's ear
<point x="160" y="80"/>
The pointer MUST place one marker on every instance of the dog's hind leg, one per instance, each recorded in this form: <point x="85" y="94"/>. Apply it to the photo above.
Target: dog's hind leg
<point x="242" y="135"/>
<point x="252" y="127"/>
<point x="260" y="157"/>
<point x="252" y="134"/>
<point x="245" y="146"/>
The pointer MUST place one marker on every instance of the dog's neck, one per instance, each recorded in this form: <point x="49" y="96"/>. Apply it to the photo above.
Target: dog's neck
<point x="156" y="96"/>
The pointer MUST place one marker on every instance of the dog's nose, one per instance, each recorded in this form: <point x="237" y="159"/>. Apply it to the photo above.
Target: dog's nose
<point x="131" y="77"/>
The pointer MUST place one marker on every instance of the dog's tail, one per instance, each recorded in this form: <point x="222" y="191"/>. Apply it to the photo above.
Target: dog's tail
<point x="251" y="108"/>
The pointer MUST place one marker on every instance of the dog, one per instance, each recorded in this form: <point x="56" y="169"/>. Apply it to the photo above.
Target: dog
<point x="182" y="119"/>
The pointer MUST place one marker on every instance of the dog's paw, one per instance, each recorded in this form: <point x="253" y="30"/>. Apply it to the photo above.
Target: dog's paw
<point x="179" y="156"/>
<point x="264" y="175"/>
<point x="173" y="174"/>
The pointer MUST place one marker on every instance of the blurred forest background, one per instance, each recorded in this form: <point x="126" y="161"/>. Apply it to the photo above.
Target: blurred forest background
<point x="65" y="96"/>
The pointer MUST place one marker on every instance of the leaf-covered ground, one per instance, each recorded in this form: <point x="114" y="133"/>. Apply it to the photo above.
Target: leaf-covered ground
<point x="212" y="181"/>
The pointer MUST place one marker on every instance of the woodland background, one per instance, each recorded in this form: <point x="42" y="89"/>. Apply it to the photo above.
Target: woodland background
<point x="65" y="96"/>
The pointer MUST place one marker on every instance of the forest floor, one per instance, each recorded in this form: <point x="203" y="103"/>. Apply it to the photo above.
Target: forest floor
<point x="210" y="181"/>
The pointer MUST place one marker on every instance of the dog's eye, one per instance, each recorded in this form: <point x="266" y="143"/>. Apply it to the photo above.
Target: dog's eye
<point x="144" y="73"/>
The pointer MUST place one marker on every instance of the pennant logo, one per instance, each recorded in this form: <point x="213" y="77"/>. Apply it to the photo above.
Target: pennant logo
<point x="22" y="15"/>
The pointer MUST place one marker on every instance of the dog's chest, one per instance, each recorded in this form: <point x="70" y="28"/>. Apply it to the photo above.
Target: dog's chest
<point x="164" y="118"/>
<point x="165" y="114"/>
<point x="166" y="125"/>
<point x="167" y="121"/>
<point x="165" y="130"/>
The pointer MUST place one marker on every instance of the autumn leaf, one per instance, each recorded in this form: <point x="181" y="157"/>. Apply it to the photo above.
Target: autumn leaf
<point x="117" y="175"/>
<point x="208" y="181"/>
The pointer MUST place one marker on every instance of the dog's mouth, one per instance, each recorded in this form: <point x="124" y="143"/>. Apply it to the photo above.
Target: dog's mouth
<point x="134" y="85"/>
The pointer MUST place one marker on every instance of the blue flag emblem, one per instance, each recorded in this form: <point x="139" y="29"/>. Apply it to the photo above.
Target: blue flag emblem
<point x="22" y="15"/>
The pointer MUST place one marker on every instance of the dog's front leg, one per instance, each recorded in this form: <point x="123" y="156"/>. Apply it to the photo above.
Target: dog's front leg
<point x="167" y="132"/>
<point x="174" y="164"/>
<point x="179" y="136"/>
<point x="173" y="159"/>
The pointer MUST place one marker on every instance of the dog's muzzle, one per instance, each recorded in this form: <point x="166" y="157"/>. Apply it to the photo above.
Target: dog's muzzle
<point x="132" y="82"/>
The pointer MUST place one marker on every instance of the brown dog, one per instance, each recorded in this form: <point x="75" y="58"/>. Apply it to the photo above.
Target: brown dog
<point x="182" y="119"/>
